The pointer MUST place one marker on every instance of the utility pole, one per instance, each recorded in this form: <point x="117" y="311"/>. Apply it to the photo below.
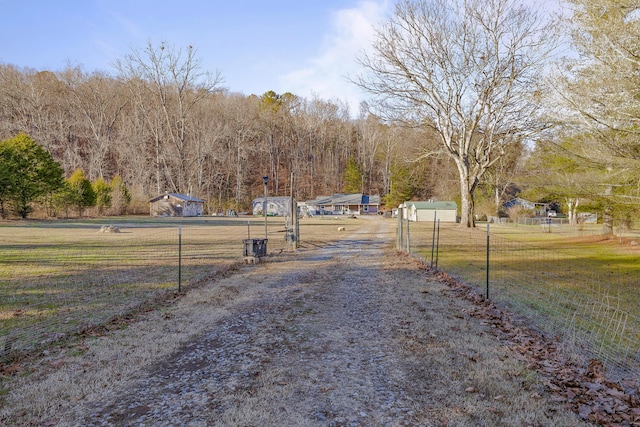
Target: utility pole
<point x="265" y="181"/>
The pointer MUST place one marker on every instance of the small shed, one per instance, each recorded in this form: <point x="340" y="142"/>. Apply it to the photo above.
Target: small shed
<point x="174" y="204"/>
<point x="425" y="211"/>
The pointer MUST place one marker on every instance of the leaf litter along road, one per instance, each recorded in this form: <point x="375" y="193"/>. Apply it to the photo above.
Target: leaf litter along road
<point x="349" y="334"/>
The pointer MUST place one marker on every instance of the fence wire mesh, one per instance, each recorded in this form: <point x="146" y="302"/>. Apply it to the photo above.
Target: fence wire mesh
<point x="53" y="287"/>
<point x="586" y="299"/>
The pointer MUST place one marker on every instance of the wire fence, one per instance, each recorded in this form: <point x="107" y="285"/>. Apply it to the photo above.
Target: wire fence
<point x="51" y="288"/>
<point x="577" y="289"/>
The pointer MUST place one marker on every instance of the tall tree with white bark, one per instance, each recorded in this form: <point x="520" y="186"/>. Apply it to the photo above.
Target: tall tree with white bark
<point x="468" y="69"/>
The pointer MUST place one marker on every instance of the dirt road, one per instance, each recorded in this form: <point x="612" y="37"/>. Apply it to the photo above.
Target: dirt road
<point x="348" y="334"/>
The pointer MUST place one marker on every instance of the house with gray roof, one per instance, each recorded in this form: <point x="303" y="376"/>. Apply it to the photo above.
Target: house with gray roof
<point x="343" y="204"/>
<point x="538" y="209"/>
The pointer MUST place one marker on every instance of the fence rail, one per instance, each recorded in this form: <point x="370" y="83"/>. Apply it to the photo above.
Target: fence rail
<point x="588" y="301"/>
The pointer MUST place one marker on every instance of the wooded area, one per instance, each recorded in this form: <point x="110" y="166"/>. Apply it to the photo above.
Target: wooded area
<point x="179" y="131"/>
<point x="465" y="106"/>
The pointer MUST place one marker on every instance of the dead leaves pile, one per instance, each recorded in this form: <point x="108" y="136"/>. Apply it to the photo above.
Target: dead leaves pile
<point x="583" y="389"/>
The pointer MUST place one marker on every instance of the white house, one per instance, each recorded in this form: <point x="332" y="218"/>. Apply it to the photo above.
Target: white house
<point x="276" y="206"/>
<point x="426" y="211"/>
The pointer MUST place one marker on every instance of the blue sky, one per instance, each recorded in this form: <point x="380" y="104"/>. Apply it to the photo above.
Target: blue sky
<point x="306" y="47"/>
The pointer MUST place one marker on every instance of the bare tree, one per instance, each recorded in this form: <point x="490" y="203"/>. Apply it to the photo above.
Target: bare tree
<point x="370" y="139"/>
<point x="467" y="69"/>
<point x="177" y="83"/>
<point x="499" y="177"/>
<point x="207" y="130"/>
<point x="161" y="124"/>
<point x="97" y="101"/>
<point x="244" y="156"/>
<point x="34" y="102"/>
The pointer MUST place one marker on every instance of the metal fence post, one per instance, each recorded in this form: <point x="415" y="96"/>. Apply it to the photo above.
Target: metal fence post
<point x="408" y="240"/>
<point x="433" y="237"/>
<point x="399" y="239"/>
<point x="179" y="258"/>
<point x="488" y="225"/>
<point x="437" y="243"/>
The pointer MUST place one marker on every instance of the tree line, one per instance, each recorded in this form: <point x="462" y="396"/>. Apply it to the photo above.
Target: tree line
<point x="29" y="175"/>
<point x="464" y="106"/>
<point x="163" y="124"/>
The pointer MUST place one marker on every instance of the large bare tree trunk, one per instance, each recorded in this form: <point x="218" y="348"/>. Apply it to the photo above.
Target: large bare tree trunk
<point x="466" y="210"/>
<point x="467" y="188"/>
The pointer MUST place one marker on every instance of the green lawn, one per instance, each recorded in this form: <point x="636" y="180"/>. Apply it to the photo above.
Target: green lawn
<point x="568" y="282"/>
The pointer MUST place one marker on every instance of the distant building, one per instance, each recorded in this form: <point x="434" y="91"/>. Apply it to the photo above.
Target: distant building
<point x="518" y="202"/>
<point x="426" y="211"/>
<point x="587" y="218"/>
<point x="174" y="204"/>
<point x="343" y="204"/>
<point x="538" y="209"/>
<point x="276" y="206"/>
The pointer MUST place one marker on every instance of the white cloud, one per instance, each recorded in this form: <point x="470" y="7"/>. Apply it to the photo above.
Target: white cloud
<point x="350" y="33"/>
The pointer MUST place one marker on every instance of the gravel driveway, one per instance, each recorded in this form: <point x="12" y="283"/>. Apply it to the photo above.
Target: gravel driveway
<point x="349" y="334"/>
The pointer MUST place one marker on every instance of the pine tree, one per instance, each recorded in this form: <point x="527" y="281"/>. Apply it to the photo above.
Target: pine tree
<point x="352" y="177"/>
<point x="27" y="172"/>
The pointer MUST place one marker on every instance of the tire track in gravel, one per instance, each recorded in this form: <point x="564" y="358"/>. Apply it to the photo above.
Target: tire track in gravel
<point x="313" y="350"/>
<point x="336" y="336"/>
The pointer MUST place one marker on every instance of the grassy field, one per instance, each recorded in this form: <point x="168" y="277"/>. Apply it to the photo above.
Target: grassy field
<point x="343" y="331"/>
<point x="561" y="259"/>
<point x="60" y="277"/>
<point x="567" y="282"/>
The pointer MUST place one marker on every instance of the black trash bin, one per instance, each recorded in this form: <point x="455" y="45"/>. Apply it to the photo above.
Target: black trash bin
<point x="254" y="250"/>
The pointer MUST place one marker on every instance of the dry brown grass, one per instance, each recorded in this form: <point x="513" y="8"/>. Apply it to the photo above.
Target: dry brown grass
<point x="60" y="277"/>
<point x="345" y="334"/>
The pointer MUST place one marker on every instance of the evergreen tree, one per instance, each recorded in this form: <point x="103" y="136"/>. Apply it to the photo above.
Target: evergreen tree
<point x="64" y="198"/>
<point x="27" y="172"/>
<point x="82" y="195"/>
<point x="601" y="86"/>
<point x="352" y="177"/>
<point x="401" y="187"/>
<point x="103" y="192"/>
